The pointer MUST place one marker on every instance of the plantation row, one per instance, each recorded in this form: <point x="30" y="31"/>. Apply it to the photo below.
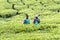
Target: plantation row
<point x="11" y="8"/>
<point x="28" y="36"/>
<point x="17" y="28"/>
<point x="12" y="15"/>
<point x="53" y="34"/>
<point x="34" y="4"/>
<point x="55" y="1"/>
<point x="6" y="13"/>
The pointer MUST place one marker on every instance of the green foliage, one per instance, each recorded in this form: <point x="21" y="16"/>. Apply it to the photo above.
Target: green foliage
<point x="5" y="13"/>
<point x="3" y="0"/>
<point x="29" y="2"/>
<point x="54" y="7"/>
<point x="11" y="20"/>
<point x="15" y="1"/>
<point x="20" y="7"/>
<point x="5" y="5"/>
<point x="56" y="1"/>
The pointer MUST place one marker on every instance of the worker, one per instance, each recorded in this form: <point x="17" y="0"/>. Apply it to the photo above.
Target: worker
<point x="27" y="20"/>
<point x="36" y="20"/>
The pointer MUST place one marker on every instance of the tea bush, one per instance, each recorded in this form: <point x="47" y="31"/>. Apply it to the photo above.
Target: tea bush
<point x="6" y="5"/>
<point x="12" y="15"/>
<point x="7" y="12"/>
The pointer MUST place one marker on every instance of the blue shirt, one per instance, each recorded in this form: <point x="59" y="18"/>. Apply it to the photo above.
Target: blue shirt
<point x="36" y="21"/>
<point x="27" y="21"/>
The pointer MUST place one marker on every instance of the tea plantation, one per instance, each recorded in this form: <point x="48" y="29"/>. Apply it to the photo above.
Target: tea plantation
<point x="12" y="14"/>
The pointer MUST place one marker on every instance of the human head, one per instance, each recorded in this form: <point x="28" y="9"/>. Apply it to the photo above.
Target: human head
<point x="36" y="17"/>
<point x="26" y="16"/>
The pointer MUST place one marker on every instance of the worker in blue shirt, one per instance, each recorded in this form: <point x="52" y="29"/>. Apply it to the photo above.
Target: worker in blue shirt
<point x="36" y="20"/>
<point x="27" y="20"/>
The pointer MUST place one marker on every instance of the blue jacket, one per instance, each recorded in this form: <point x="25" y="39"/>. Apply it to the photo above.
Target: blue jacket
<point x="27" y="21"/>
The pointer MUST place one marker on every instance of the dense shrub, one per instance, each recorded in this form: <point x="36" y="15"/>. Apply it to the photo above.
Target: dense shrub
<point x="6" y="5"/>
<point x="20" y="7"/>
<point x="3" y="1"/>
<point x="17" y="27"/>
<point x="29" y="2"/>
<point x="56" y="1"/>
<point x="12" y="15"/>
<point x="8" y="12"/>
<point x="14" y="1"/>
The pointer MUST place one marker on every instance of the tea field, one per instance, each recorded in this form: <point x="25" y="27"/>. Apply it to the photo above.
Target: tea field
<point x="12" y="15"/>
